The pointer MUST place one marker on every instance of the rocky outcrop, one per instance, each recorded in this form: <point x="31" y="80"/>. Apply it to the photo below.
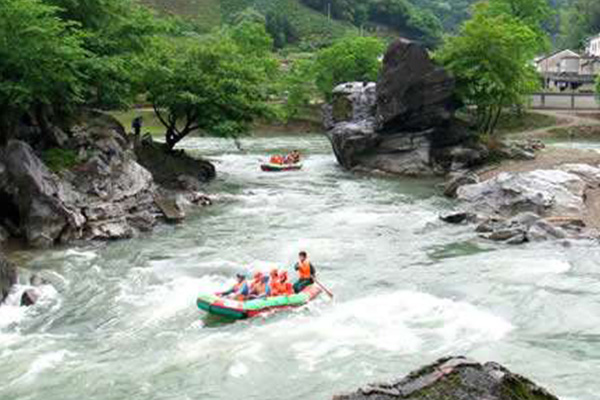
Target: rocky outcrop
<point x="528" y="206"/>
<point x="106" y="195"/>
<point x="455" y="378"/>
<point x="404" y="124"/>
<point x="8" y="277"/>
<point x="544" y="192"/>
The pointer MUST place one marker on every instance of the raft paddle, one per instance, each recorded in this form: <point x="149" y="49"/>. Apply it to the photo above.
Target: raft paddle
<point x="322" y="287"/>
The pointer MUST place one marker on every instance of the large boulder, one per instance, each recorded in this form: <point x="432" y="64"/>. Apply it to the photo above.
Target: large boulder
<point x="8" y="277"/>
<point x="107" y="195"/>
<point x="413" y="93"/>
<point x="543" y="192"/>
<point x="404" y="124"/>
<point x="455" y="378"/>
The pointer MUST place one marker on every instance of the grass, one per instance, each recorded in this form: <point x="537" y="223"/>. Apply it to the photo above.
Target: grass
<point x="515" y="123"/>
<point x="151" y="124"/>
<point x="58" y="160"/>
<point x="590" y="132"/>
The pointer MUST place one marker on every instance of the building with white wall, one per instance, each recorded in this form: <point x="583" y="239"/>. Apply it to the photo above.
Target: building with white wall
<point x="593" y="47"/>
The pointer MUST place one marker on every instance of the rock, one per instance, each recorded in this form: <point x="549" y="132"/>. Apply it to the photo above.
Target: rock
<point x="189" y="183"/>
<point x="413" y="93"/>
<point x="4" y="235"/>
<point x="405" y="124"/>
<point x="171" y="209"/>
<point x="352" y="101"/>
<point x="29" y="297"/>
<point x="544" y="192"/>
<point x="8" y="277"/>
<point x="590" y="174"/>
<point x="457" y="217"/>
<point x="457" y="180"/>
<point x="109" y="195"/>
<point x="46" y="204"/>
<point x="507" y="233"/>
<point x="490" y="225"/>
<point x="543" y="230"/>
<point x="456" y="378"/>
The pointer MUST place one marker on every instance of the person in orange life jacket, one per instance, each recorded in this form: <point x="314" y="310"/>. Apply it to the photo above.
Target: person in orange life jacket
<point x="306" y="272"/>
<point x="240" y="290"/>
<point x="274" y="284"/>
<point x="260" y="287"/>
<point x="285" y="287"/>
<point x="276" y="159"/>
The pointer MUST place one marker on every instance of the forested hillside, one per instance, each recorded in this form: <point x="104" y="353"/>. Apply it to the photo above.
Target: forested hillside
<point x="316" y="22"/>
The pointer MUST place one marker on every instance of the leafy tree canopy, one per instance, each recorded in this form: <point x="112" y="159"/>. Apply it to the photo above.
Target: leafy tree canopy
<point x="217" y="85"/>
<point x="349" y="59"/>
<point x="491" y="60"/>
<point x="40" y="63"/>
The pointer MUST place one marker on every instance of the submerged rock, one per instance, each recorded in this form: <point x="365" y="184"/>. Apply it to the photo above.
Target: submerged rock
<point x="455" y="378"/>
<point x="405" y="124"/>
<point x="8" y="277"/>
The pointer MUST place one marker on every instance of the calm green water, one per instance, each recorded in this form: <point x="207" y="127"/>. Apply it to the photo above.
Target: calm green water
<point x="119" y="320"/>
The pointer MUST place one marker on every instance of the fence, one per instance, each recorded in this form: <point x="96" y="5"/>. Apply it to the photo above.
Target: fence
<point x="565" y="101"/>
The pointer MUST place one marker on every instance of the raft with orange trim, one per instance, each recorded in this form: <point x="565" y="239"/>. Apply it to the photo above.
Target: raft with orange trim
<point x="224" y="307"/>
<point x="271" y="167"/>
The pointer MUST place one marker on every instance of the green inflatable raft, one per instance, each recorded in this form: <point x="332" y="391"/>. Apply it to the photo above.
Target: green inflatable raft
<point x="224" y="307"/>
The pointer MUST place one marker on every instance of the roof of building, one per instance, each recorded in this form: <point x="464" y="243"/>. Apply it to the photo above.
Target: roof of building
<point x="542" y="58"/>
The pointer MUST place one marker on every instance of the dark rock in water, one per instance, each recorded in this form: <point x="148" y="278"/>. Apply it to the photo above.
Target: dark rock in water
<point x="403" y="126"/>
<point x="455" y="378"/>
<point x="8" y="277"/>
<point x="457" y="180"/>
<point x="457" y="217"/>
<point x="413" y="93"/>
<point x="29" y="297"/>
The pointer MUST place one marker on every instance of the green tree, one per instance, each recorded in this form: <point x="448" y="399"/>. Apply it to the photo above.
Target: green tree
<point x="40" y="65"/>
<point x="534" y="13"/>
<point x="491" y="60"/>
<point x="217" y="86"/>
<point x="348" y="59"/>
<point x="116" y="33"/>
<point x="580" y="21"/>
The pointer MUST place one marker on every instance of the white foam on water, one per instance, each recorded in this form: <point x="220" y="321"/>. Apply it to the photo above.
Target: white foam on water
<point x="398" y="322"/>
<point x="238" y="370"/>
<point x="42" y="363"/>
<point x="11" y="312"/>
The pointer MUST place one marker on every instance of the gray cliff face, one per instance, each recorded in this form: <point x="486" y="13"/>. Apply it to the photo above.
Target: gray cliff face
<point x="455" y="378"/>
<point x="404" y="124"/>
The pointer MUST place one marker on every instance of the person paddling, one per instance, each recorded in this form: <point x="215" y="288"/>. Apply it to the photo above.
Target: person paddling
<point x="240" y="290"/>
<point x="306" y="272"/>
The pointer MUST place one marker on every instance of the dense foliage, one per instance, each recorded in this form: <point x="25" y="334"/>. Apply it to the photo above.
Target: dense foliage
<point x="579" y="21"/>
<point x="402" y="15"/>
<point x="41" y="58"/>
<point x="491" y="60"/>
<point x="217" y="85"/>
<point x="350" y="59"/>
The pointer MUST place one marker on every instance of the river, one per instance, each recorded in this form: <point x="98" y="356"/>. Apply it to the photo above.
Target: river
<point x="119" y="320"/>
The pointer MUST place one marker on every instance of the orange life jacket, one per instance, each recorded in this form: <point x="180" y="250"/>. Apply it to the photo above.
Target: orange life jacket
<point x="287" y="289"/>
<point x="277" y="160"/>
<point x="304" y="269"/>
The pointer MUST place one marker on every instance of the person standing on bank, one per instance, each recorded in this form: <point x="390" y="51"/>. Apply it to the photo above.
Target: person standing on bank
<point x="306" y="272"/>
